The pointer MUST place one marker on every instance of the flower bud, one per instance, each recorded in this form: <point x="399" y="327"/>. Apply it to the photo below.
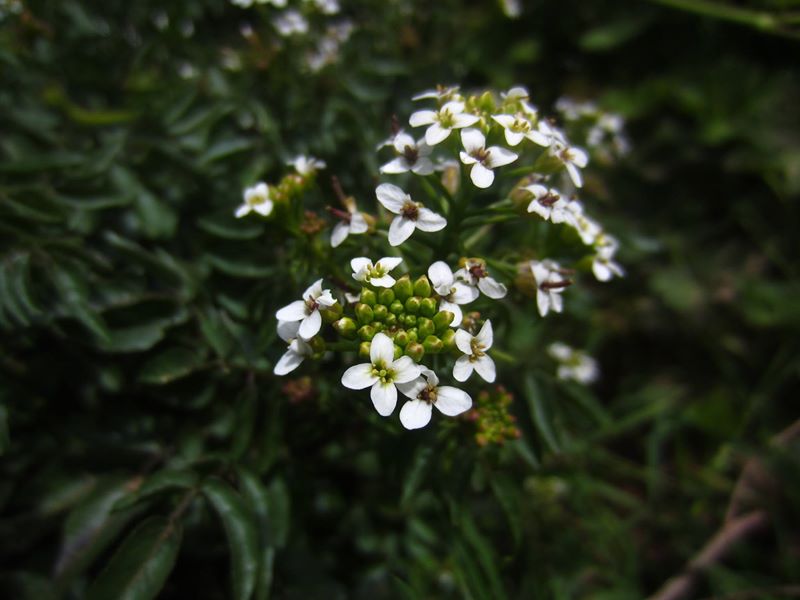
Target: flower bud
<point x="412" y="305"/>
<point x="449" y="340"/>
<point x="398" y="352"/>
<point x="411" y="321"/>
<point x="442" y="321"/>
<point x="364" y="314"/>
<point x="390" y="320"/>
<point x="433" y="345"/>
<point x="378" y="327"/>
<point x="415" y="350"/>
<point x="425" y="327"/>
<point x="412" y="335"/>
<point x="331" y="313"/>
<point x="427" y="307"/>
<point x="363" y="350"/>
<point x="403" y="288"/>
<point x="366" y="333"/>
<point x="317" y="345"/>
<point x="451" y="177"/>
<point x="525" y="282"/>
<point x="386" y="296"/>
<point x="485" y="103"/>
<point x="422" y="287"/>
<point x="368" y="297"/>
<point x="401" y="338"/>
<point x="346" y="328"/>
<point x="380" y="312"/>
<point x="396" y="307"/>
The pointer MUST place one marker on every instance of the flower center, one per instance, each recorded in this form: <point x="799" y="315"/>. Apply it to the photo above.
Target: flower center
<point x="410" y="210"/>
<point x="311" y="304"/>
<point x="566" y="155"/>
<point x="383" y="374"/>
<point x="428" y="395"/>
<point x="375" y="271"/>
<point x="257" y="199"/>
<point x="477" y="350"/>
<point x="521" y="125"/>
<point x="481" y="155"/>
<point x="446" y="118"/>
<point x="549" y="199"/>
<point x="478" y="271"/>
<point x="411" y="154"/>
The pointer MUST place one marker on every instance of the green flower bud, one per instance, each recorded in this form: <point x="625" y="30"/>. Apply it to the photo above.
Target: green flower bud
<point x="331" y="313"/>
<point x="398" y="352"/>
<point x="442" y="320"/>
<point x="401" y="338"/>
<point x="366" y="333"/>
<point x="415" y="350"/>
<point x="396" y="307"/>
<point x="412" y="305"/>
<point x="378" y="326"/>
<point x="411" y="321"/>
<point x="412" y="335"/>
<point x="363" y="350"/>
<point x="368" y="297"/>
<point x="422" y="287"/>
<point x="346" y="328"/>
<point x="425" y="327"/>
<point x="364" y="314"/>
<point x="317" y="345"/>
<point x="379" y="312"/>
<point x="390" y="320"/>
<point x="433" y="345"/>
<point x="427" y="307"/>
<point x="386" y="297"/>
<point x="449" y="339"/>
<point x="403" y="288"/>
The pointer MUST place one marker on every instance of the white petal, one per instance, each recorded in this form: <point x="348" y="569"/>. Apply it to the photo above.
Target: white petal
<point x="538" y="138"/>
<point x="485" y="368"/>
<point x="436" y="134"/>
<point x="454" y="308"/>
<point x="405" y="369"/>
<point x="243" y="210"/>
<point x="574" y="174"/>
<point x="499" y="156"/>
<point x="362" y="262"/>
<point x="386" y="281"/>
<point x="325" y="299"/>
<point x="432" y="378"/>
<point x="464" y="120"/>
<point x="311" y="325"/>
<point x="452" y="401"/>
<point x="412" y="388"/>
<point x="601" y="271"/>
<point x="381" y="351"/>
<point x="513" y="138"/>
<point x="466" y="158"/>
<point x="392" y="197"/>
<point x="423" y="167"/>
<point x="543" y="302"/>
<point x="462" y="369"/>
<point x="486" y="336"/>
<point x="314" y="290"/>
<point x="415" y="414"/>
<point x="540" y="209"/>
<point x="384" y="398"/>
<point x="441" y="277"/>
<point x="422" y="117"/>
<point x="396" y="166"/>
<point x="295" y="311"/>
<point x="481" y="176"/>
<point x="557" y="302"/>
<point x="463" y="294"/>
<point x="473" y="140"/>
<point x="454" y="107"/>
<point x="492" y="288"/>
<point x="264" y="209"/>
<point x="429" y="221"/>
<point x="464" y="341"/>
<point x="288" y="363"/>
<point x="390" y="262"/>
<point x="579" y="157"/>
<point x="339" y="234"/>
<point x="358" y="224"/>
<point x="400" y="230"/>
<point x="504" y="120"/>
<point x="287" y="330"/>
<point x="403" y="140"/>
<point x="359" y="377"/>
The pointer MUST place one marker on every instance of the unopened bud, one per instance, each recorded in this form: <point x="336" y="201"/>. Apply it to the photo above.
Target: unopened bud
<point x="380" y="312"/>
<point x="442" y="321"/>
<point x="401" y="338"/>
<point x="398" y="351"/>
<point x="366" y="333"/>
<point x="403" y="288"/>
<point x="346" y="328"/>
<point x="433" y="345"/>
<point x="331" y="313"/>
<point x="415" y="350"/>
<point x="425" y="327"/>
<point x="396" y="307"/>
<point x="422" y="287"/>
<point x="411" y="321"/>
<point x="317" y="345"/>
<point x="364" y="314"/>
<point x="412" y="335"/>
<point x="363" y="350"/>
<point x="386" y="296"/>
<point x="449" y="340"/>
<point x="368" y="297"/>
<point x="390" y="320"/>
<point x="412" y="305"/>
<point x="427" y="307"/>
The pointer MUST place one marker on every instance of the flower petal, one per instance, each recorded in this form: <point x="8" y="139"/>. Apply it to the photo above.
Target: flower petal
<point x="499" y="156"/>
<point x="295" y="311"/>
<point x="485" y="368"/>
<point x="466" y="158"/>
<point x="339" y="234"/>
<point x="392" y="197"/>
<point x="423" y="167"/>
<point x="441" y="277"/>
<point x="381" y="350"/>
<point x="543" y="302"/>
<point x="485" y="336"/>
<point x="403" y="140"/>
<point x="358" y="224"/>
<point x="464" y="120"/>
<point x="452" y="401"/>
<point x="462" y="369"/>
<point x="454" y="308"/>
<point x="513" y="138"/>
<point x="311" y="325"/>
<point x="243" y="210"/>
<point x="481" y="176"/>
<point x="504" y="120"/>
<point x="415" y="414"/>
<point x="492" y="288"/>
<point x="264" y="209"/>
<point x="436" y="134"/>
<point x="400" y="230"/>
<point x="412" y="388"/>
<point x="429" y="221"/>
<point x="386" y="281"/>
<point x="473" y="140"/>
<point x="390" y="262"/>
<point x="288" y="363"/>
<point x="574" y="174"/>
<point x="422" y="117"/>
<point x="362" y="262"/>
<point x="287" y="330"/>
<point x="463" y="294"/>
<point x="396" y="166"/>
<point x="579" y="157"/>
<point x="384" y="398"/>
<point x="464" y="341"/>
<point x="359" y="377"/>
<point x="405" y="369"/>
<point x="314" y="290"/>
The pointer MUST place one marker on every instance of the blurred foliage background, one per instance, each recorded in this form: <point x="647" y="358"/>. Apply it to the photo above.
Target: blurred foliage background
<point x="148" y="450"/>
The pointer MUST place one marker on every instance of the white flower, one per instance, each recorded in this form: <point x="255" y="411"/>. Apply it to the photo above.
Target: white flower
<point x="441" y="93"/>
<point x="474" y="274"/>
<point x="307" y="310"/>
<point x="603" y="265"/>
<point x="290" y="22"/>
<point x="518" y="127"/>
<point x="571" y="157"/>
<point x="351" y="221"/>
<point x="410" y="215"/>
<point x="550" y="282"/>
<point x="412" y="156"/>
<point x="377" y="274"/>
<point x="426" y="392"/>
<point x="442" y="122"/>
<point x="483" y="159"/>
<point x="452" y="291"/>
<point x="306" y="165"/>
<point x="574" y="365"/>
<point x="548" y="203"/>
<point x="256" y="198"/>
<point x="517" y="98"/>
<point x="587" y="229"/>
<point x="298" y="348"/>
<point x="381" y="373"/>
<point x="475" y="358"/>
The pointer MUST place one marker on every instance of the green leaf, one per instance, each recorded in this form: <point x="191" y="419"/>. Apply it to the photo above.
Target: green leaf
<point x="164" y="480"/>
<point x="141" y="565"/>
<point x="241" y="531"/>
<point x="5" y="436"/>
<point x="169" y="365"/>
<point x="540" y="414"/>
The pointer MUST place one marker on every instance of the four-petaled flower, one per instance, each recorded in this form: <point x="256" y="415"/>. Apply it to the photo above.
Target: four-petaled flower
<point x="381" y="373"/>
<point x="298" y="348"/>
<point x="603" y="265"/>
<point x="518" y="127"/>
<point x="483" y="159"/>
<point x="306" y="165"/>
<point x="573" y="158"/>
<point x="425" y="392"/>
<point x="350" y="221"/>
<point x="413" y="156"/>
<point x="307" y="310"/>
<point x="475" y="275"/>
<point x="377" y="274"/>
<point x="410" y="215"/>
<point x="443" y="121"/>
<point x="550" y="282"/>
<point x="548" y="203"/>
<point x="257" y="199"/>
<point x="475" y="358"/>
<point x="452" y="291"/>
<point x="573" y="364"/>
<point x="587" y="229"/>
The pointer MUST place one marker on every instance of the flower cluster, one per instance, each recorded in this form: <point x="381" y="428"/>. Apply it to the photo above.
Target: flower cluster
<point x="493" y="423"/>
<point x="261" y="197"/>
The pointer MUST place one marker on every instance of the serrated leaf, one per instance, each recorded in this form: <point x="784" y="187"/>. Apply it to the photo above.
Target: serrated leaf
<point x="141" y="565"/>
<point x="169" y="365"/>
<point x="240" y="529"/>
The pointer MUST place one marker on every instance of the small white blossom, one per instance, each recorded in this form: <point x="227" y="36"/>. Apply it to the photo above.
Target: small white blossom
<point x="452" y="291"/>
<point x="443" y="121"/>
<point x="518" y="98"/>
<point x="410" y="215"/>
<point x="306" y="165"/>
<point x="441" y="93"/>
<point x="256" y="199"/>
<point x="350" y="222"/>
<point x="573" y="364"/>
<point x="550" y="282"/>
<point x="298" y="348"/>
<point x="574" y="159"/>
<point x="519" y="127"/>
<point x="587" y="228"/>
<point x="425" y="392"/>
<point x="475" y="275"/>
<point x="413" y="156"/>
<point x="603" y="265"/>
<point x="307" y="310"/>
<point x="483" y="159"/>
<point x="377" y="274"/>
<point x="381" y="374"/>
<point x="475" y="358"/>
<point x="290" y="22"/>
<point x="548" y="203"/>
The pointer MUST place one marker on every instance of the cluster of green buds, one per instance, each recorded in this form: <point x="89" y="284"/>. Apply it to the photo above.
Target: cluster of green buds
<point x="494" y="424"/>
